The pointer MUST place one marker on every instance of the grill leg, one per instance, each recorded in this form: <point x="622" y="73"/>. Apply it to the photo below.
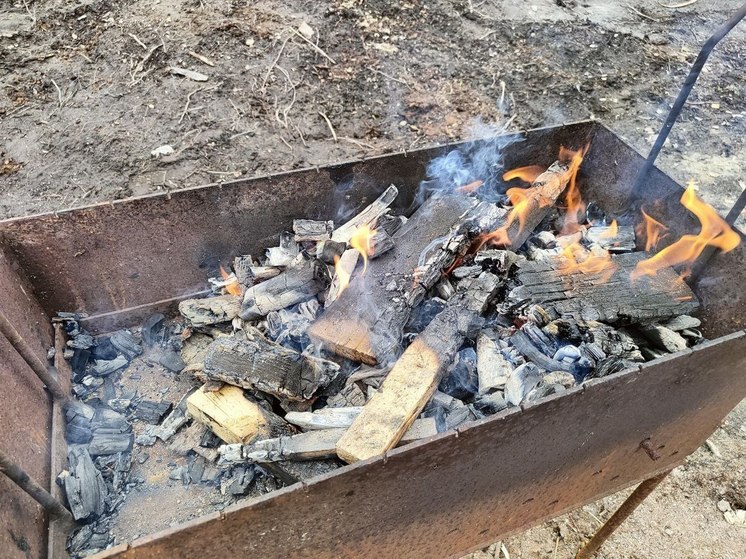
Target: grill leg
<point x="627" y="508"/>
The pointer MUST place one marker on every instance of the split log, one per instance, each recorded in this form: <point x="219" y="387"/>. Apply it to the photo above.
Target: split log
<point x="366" y="322"/>
<point x="313" y="445"/>
<point x="586" y="296"/>
<point x="259" y="364"/>
<point x="324" y="418"/>
<point x="347" y="264"/>
<point x="493" y="368"/>
<point x="299" y="282"/>
<point x="621" y="240"/>
<point x="106" y="442"/>
<point x="369" y="216"/>
<point x="85" y="488"/>
<point x="232" y="417"/>
<point x="664" y="338"/>
<point x="415" y="376"/>
<point x="213" y="310"/>
<point x="310" y="230"/>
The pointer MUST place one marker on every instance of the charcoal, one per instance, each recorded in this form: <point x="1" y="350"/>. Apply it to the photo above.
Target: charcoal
<point x="78" y="434"/>
<point x="109" y="391"/>
<point x="466" y="272"/>
<point x="103" y="368"/>
<point x="682" y="322"/>
<point x="84" y="487"/>
<point x="500" y="261"/>
<point x="692" y="334"/>
<point x="209" y="440"/>
<point x="284" y="254"/>
<point x="242" y="268"/>
<point x="119" y="405"/>
<point x="538" y="315"/>
<point x="330" y="250"/>
<point x="74" y="409"/>
<point x="79" y="361"/>
<point x="380" y="243"/>
<point x="110" y="443"/>
<point x="390" y="223"/>
<point x="310" y="230"/>
<point x="152" y="412"/>
<point x="422" y="315"/>
<point x="187" y="439"/>
<point x="92" y="382"/>
<point x="99" y="541"/>
<point x="143" y="457"/>
<point x="520" y="382"/>
<point x="525" y="346"/>
<point x="349" y="395"/>
<point x="174" y="421"/>
<point x="444" y="289"/>
<point x="171" y="360"/>
<point x="540" y="340"/>
<point x="650" y="353"/>
<point x="542" y="391"/>
<point x="81" y="391"/>
<point x="126" y="343"/>
<point x="106" y="418"/>
<point x="592" y="352"/>
<point x="176" y="473"/>
<point x="567" y="354"/>
<point x="104" y="350"/>
<point x="238" y="481"/>
<point x="152" y="330"/>
<point x="544" y="239"/>
<point x="147" y="438"/>
<point x="196" y="469"/>
<point x="80" y="539"/>
<point x="309" y="309"/>
<point x="562" y="378"/>
<point x="564" y="329"/>
<point x="491" y="403"/>
<point x="211" y="473"/>
<point x="81" y="341"/>
<point x="462" y="380"/>
<point x="603" y="236"/>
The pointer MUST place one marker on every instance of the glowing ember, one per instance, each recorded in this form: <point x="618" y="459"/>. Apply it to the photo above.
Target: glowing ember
<point x="232" y="287"/>
<point x="528" y="174"/>
<point x="361" y="241"/>
<point x="596" y="261"/>
<point x="714" y="232"/>
<point x="652" y="230"/>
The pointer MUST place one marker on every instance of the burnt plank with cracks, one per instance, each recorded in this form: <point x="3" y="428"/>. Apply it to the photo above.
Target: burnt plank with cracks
<point x="264" y="365"/>
<point x="415" y="376"/>
<point x="586" y="296"/>
<point x="366" y="322"/>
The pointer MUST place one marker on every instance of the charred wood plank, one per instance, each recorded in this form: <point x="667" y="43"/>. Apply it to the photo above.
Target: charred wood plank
<point x="303" y="279"/>
<point x="600" y="296"/>
<point x="260" y="364"/>
<point x="324" y="418"/>
<point x="213" y="310"/>
<point x="366" y="322"/>
<point x="368" y="217"/>
<point x="415" y="376"/>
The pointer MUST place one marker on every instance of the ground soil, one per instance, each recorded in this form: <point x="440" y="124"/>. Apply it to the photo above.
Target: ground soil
<point x="86" y="95"/>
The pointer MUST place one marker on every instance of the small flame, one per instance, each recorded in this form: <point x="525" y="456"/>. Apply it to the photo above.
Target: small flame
<point x="714" y="232"/>
<point x="611" y="232"/>
<point x="653" y="231"/>
<point x="596" y="261"/>
<point x="233" y="287"/>
<point x="361" y="241"/>
<point x="528" y="174"/>
<point x="341" y="275"/>
<point x="471" y="187"/>
<point x="573" y="199"/>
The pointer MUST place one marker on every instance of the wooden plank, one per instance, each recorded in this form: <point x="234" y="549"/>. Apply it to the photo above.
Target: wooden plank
<point x="591" y="296"/>
<point x="415" y="376"/>
<point x="231" y="416"/>
<point x="365" y="323"/>
<point x="367" y="217"/>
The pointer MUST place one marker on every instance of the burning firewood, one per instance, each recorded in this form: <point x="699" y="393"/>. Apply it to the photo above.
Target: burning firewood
<point x="303" y="279"/>
<point x="312" y="445"/>
<point x="366" y="218"/>
<point x="614" y="238"/>
<point x="213" y="310"/>
<point x="310" y="230"/>
<point x="365" y="323"/>
<point x="568" y="290"/>
<point x="232" y="417"/>
<point x="416" y="374"/>
<point x="260" y="364"/>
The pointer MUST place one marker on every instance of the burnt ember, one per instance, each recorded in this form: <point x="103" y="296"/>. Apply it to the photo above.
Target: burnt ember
<point x="348" y="339"/>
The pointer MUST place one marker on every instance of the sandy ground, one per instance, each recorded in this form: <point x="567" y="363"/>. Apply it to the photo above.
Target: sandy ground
<point x="88" y="90"/>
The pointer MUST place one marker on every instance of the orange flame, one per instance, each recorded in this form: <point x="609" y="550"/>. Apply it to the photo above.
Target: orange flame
<point x="342" y="274"/>
<point x="597" y="261"/>
<point x="528" y="174"/>
<point x="574" y="201"/>
<point x="714" y="232"/>
<point x="653" y="231"/>
<point x="611" y="232"/>
<point x="361" y="241"/>
<point x="471" y="187"/>
<point x="234" y="288"/>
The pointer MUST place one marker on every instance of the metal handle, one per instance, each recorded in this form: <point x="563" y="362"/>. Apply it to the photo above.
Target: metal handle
<point x="673" y="114"/>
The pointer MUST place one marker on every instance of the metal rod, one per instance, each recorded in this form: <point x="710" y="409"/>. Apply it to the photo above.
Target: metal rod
<point x="627" y="508"/>
<point x="18" y="476"/>
<point x="691" y="79"/>
<point x="45" y="372"/>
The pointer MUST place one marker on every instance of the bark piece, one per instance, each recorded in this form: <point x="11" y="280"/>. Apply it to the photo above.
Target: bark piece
<point x="415" y="376"/>
<point x="586" y="296"/>
<point x="213" y="310"/>
<point x="260" y="364"/>
<point x="369" y="216"/>
<point x="232" y="417"/>
<point x="366" y="322"/>
<point x="493" y="368"/>
<point x="299" y="282"/>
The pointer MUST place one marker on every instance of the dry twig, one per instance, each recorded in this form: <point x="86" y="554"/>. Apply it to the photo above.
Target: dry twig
<point x="274" y="63"/>
<point x="639" y="13"/>
<point x="676" y="6"/>
<point x="138" y="41"/>
<point x="329" y="124"/>
<point x="315" y="46"/>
